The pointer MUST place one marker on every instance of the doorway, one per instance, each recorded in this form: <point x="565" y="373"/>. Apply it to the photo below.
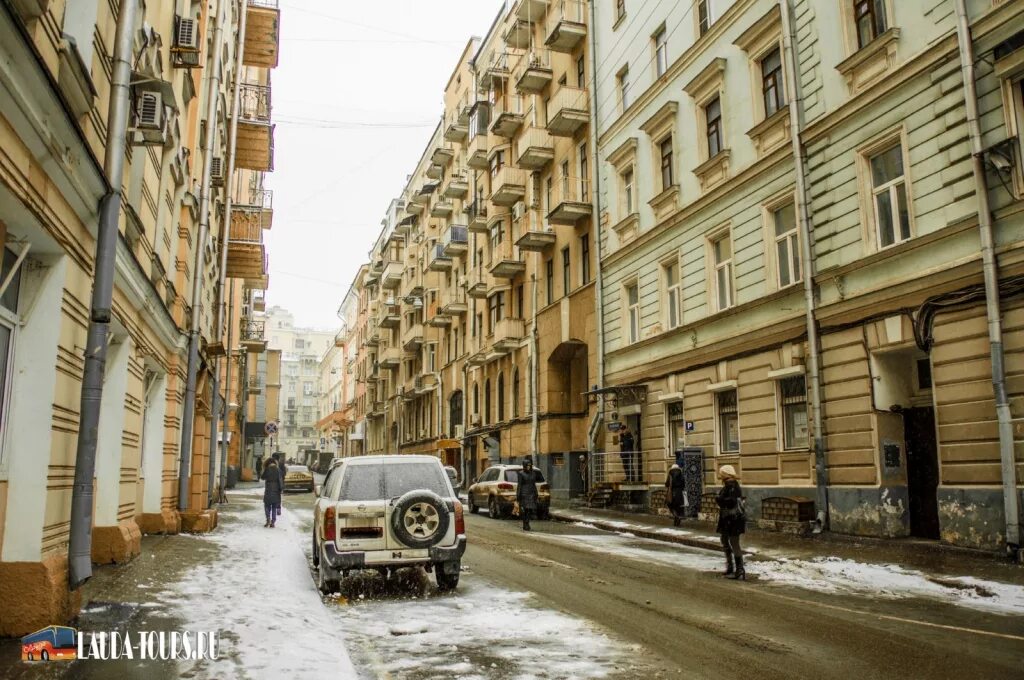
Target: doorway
<point x="633" y="423"/>
<point x="922" y="471"/>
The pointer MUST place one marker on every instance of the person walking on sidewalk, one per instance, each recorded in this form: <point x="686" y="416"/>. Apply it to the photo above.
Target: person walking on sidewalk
<point x="626" y="444"/>
<point x="732" y="521"/>
<point x="526" y="491"/>
<point x="272" y="485"/>
<point x="675" y="494"/>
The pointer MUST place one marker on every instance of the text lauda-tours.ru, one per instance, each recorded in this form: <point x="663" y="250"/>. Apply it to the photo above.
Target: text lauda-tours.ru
<point x="144" y="645"/>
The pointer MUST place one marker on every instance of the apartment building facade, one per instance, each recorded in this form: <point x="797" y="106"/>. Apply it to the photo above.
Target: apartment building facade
<point x="338" y="369"/>
<point x="705" y="261"/>
<point x="58" y="73"/>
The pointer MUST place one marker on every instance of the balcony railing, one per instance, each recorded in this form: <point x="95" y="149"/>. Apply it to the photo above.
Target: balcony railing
<point x="455" y="240"/>
<point x="531" y="236"/>
<point x="252" y="335"/>
<point x="269" y="4"/>
<point x="476" y="153"/>
<point x="391" y="277"/>
<point x="455" y="129"/>
<point x="568" y="111"/>
<point x="569" y="201"/>
<point x="532" y="72"/>
<point x="254" y="103"/>
<point x="536" y="148"/>
<point x="506" y="261"/>
<point x="412" y="339"/>
<point x="458" y="185"/>
<point x="566" y="25"/>
<point x="507" y="115"/>
<point x="439" y="260"/>
<point x="508" y="333"/>
<point x="454" y="303"/>
<point x="478" y="281"/>
<point x="530" y="10"/>
<point x="508" y="186"/>
<point x="442" y="208"/>
<point x="476" y="214"/>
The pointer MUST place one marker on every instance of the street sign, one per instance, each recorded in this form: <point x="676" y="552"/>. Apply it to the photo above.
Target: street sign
<point x="689" y="426"/>
<point x="270" y="428"/>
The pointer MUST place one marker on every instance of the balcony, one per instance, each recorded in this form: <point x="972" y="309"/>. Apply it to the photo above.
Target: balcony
<point x="412" y="339"/>
<point x="422" y="197"/>
<point x="252" y="338"/>
<point x="442" y="155"/>
<point x="455" y="240"/>
<point x="406" y="225"/>
<point x="372" y="338"/>
<point x="254" y="146"/>
<point x="339" y="338"/>
<point x="442" y="208"/>
<point x="457" y="187"/>
<point x="507" y="116"/>
<point x="390" y="316"/>
<point x="435" y="171"/>
<point x="568" y="111"/>
<point x="508" y="333"/>
<point x="390" y="358"/>
<point x="376" y="408"/>
<point x="530" y="10"/>
<point x="259" y="301"/>
<point x="518" y="33"/>
<point x="508" y="186"/>
<point x="373" y="374"/>
<point x="259" y="203"/>
<point x="506" y="261"/>
<point x="570" y="201"/>
<point x="456" y="130"/>
<point x="247" y="257"/>
<point x="478" y="282"/>
<point x="532" y="237"/>
<point x="391" y="277"/>
<point x="456" y="304"/>
<point x="424" y="384"/>
<point x="536" y="148"/>
<point x="532" y="72"/>
<point x="439" y="261"/>
<point x="566" y="25"/>
<point x="476" y="153"/>
<point x="495" y="71"/>
<point x="436" y="317"/>
<point x="476" y="214"/>
<point x="262" y="33"/>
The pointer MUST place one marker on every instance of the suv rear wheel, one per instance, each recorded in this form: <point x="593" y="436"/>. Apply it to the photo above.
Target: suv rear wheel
<point x="420" y="519"/>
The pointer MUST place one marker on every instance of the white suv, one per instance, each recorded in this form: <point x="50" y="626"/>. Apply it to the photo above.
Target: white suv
<point x="385" y="512"/>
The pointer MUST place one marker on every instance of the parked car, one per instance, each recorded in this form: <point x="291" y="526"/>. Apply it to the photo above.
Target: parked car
<point x="298" y="478"/>
<point x="495" y="489"/>
<point x="387" y="512"/>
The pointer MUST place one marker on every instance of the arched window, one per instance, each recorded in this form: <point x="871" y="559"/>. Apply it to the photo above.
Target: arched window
<point x="455" y="409"/>
<point x="501" y="397"/>
<point x="515" y="393"/>
<point x="476" y="399"/>
<point x="487" y="401"/>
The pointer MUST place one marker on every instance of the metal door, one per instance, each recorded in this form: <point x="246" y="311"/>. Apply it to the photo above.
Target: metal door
<point x="922" y="471"/>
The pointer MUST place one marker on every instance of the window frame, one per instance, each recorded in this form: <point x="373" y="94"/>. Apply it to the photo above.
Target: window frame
<point x="777" y="82"/>
<point x="628" y="190"/>
<point x="704" y="17"/>
<point x="716" y="123"/>
<point x="622" y="88"/>
<point x="566" y="271"/>
<point x="659" y="41"/>
<point x="672" y="290"/>
<point x="781" y="400"/>
<point x="871" y="234"/>
<point x="715" y="266"/>
<point x="584" y="259"/>
<point x="549" y="279"/>
<point x="721" y="429"/>
<point x="631" y="311"/>
<point x="771" y="239"/>
<point x="879" y="20"/>
<point x="666" y="161"/>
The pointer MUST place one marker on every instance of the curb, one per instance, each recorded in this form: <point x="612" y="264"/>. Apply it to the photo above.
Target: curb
<point x="691" y="541"/>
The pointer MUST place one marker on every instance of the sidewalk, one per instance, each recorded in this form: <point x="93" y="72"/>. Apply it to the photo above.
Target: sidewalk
<point x="929" y="557"/>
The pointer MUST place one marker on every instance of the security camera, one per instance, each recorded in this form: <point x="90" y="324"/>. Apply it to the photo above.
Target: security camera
<point x="999" y="161"/>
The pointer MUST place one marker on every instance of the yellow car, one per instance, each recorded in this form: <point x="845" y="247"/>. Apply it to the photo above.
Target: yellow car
<point x="298" y="478"/>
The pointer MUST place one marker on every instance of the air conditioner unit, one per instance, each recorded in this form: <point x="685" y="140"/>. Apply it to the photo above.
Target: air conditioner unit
<point x="217" y="171"/>
<point x="149" y="110"/>
<point x="187" y="35"/>
<point x="460" y="431"/>
<point x="474" y="420"/>
<point x="518" y="210"/>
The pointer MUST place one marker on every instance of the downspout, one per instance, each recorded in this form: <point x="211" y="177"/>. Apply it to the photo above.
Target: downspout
<point x="227" y="387"/>
<point x="594" y="429"/>
<point x="224" y="245"/>
<point x="82" y="492"/>
<point x="189" y="402"/>
<point x="534" y="372"/>
<point x="807" y="264"/>
<point x="991" y="275"/>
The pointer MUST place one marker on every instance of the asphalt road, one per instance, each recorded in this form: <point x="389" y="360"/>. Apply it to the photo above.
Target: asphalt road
<point x="693" y="621"/>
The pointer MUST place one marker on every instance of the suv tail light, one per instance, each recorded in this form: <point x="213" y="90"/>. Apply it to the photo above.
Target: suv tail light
<point x="505" y="486"/>
<point x="330" y="525"/>
<point x="460" y="520"/>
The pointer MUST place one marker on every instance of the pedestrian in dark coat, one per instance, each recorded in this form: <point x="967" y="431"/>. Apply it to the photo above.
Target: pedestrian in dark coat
<point x="675" y="494"/>
<point x="526" y="491"/>
<point x="626" y="444"/>
<point x="732" y="521"/>
<point x="272" y="486"/>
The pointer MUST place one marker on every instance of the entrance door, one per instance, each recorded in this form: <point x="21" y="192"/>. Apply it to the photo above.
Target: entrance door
<point x="633" y="423"/>
<point x="922" y="471"/>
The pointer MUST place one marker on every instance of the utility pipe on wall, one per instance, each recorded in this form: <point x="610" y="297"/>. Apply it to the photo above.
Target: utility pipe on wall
<point x="535" y="371"/>
<point x="596" y="221"/>
<point x="806" y="263"/>
<point x="990" y="269"/>
<point x="80" y="543"/>
<point x="189" y="402"/>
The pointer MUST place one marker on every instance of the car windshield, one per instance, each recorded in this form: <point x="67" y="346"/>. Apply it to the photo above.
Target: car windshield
<point x="372" y="482"/>
<point x="298" y="468"/>
<point x="513" y="476"/>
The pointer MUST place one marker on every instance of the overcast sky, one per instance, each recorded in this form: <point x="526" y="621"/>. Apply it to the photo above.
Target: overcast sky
<point x="357" y="94"/>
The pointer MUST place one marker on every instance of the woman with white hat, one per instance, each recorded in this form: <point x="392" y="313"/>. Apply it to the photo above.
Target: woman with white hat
<point x="732" y="521"/>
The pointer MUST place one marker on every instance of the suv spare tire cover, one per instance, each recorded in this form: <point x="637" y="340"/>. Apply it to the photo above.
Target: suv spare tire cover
<point x="420" y="519"/>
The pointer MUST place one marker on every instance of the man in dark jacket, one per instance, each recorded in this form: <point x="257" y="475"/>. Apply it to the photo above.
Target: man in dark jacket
<point x="626" y="444"/>
<point x="526" y="491"/>
<point x="272" y="485"/>
<point x="732" y="521"/>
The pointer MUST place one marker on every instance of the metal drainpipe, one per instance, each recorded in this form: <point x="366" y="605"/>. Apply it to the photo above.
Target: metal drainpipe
<point x="189" y="402"/>
<point x="991" y="275"/>
<point x="224" y="245"/>
<point x="535" y="372"/>
<point x="227" y="388"/>
<point x="807" y="262"/>
<point x="82" y="493"/>
<point x="596" y="221"/>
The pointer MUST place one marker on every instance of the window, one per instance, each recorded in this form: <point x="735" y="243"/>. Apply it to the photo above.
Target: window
<point x="487" y="401"/>
<point x="771" y="82"/>
<point x="548" y="191"/>
<point x="673" y="295"/>
<point x="584" y="173"/>
<point x="549" y="278"/>
<point x="787" y="245"/>
<point x="869" y="19"/>
<point x="476" y="399"/>
<point x="620" y="9"/>
<point x="515" y="393"/>
<point x="676" y="424"/>
<point x="703" y="16"/>
<point x="623" y="88"/>
<point x="665" y="148"/>
<point x="581" y="73"/>
<point x="633" y="311"/>
<point x="566" y="284"/>
<point x="501" y="397"/>
<point x="496" y="306"/>
<point x="728" y="422"/>
<point x="660" y="52"/>
<point x="793" y="393"/>
<point x="584" y="259"/>
<point x="889" y="196"/>
<point x="520" y="297"/>
<point x="627" y="191"/>
<point x="713" y="117"/>
<point x="721" y="250"/>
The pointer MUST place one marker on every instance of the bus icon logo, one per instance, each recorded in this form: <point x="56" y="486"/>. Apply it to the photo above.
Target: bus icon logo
<point x="52" y="642"/>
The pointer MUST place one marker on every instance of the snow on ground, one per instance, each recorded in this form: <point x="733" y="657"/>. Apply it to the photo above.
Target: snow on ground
<point x="823" y="574"/>
<point x="260" y="597"/>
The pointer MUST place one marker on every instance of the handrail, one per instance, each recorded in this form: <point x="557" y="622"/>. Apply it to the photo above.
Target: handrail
<point x="254" y="103"/>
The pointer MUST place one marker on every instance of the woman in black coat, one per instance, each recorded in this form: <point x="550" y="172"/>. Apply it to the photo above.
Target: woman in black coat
<point x="675" y="494"/>
<point x="526" y="491"/>
<point x="732" y="521"/>
<point x="271" y="492"/>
